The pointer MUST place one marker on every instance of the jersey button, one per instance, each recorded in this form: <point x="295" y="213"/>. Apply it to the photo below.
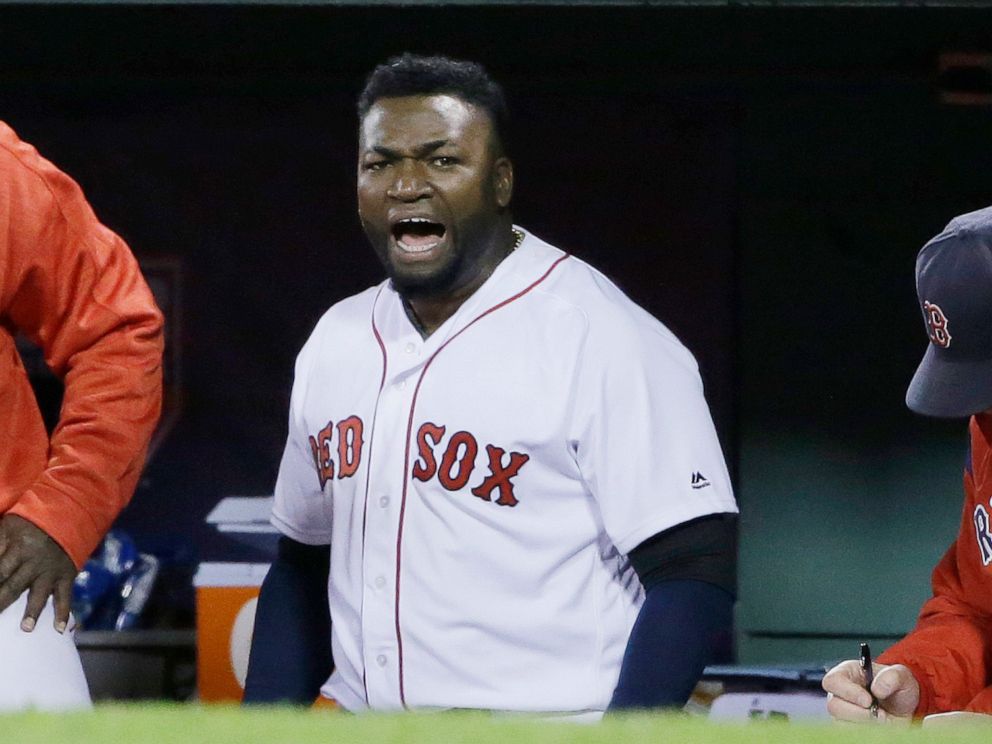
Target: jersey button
<point x="380" y="581"/>
<point x="380" y="660"/>
<point x="410" y="348"/>
<point x="384" y="501"/>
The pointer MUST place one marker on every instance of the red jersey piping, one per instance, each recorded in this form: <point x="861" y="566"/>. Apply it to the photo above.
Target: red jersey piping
<point x="368" y="466"/>
<point x="406" y="456"/>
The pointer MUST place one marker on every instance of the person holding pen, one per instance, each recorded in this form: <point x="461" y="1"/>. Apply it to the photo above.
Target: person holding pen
<point x="945" y="663"/>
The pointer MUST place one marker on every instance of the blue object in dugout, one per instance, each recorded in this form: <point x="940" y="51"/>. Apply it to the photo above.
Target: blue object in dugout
<point x="114" y="585"/>
<point x="136" y="590"/>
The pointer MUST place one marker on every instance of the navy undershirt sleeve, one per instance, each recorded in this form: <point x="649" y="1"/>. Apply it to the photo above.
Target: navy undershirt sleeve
<point x="680" y="626"/>
<point x="291" y="644"/>
<point x="686" y="621"/>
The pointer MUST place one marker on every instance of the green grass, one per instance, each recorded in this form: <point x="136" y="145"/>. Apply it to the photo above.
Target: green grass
<point x="194" y="724"/>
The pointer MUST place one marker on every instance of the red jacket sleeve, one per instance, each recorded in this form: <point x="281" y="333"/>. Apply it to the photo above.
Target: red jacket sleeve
<point x="73" y="287"/>
<point x="950" y="649"/>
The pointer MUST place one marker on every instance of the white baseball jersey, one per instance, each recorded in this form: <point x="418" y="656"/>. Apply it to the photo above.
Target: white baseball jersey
<point x="480" y="488"/>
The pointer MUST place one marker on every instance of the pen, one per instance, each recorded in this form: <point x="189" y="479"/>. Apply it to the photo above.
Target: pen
<point x="866" y="669"/>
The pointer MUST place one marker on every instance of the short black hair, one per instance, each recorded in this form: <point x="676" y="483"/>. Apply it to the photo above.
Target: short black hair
<point x="416" y="75"/>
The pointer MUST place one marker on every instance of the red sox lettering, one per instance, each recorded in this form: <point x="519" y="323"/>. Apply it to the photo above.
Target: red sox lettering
<point x="349" y="439"/>
<point x="458" y="463"/>
<point x="455" y="469"/>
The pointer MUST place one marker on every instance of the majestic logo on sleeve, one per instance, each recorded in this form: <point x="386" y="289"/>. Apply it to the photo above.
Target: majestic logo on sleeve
<point x="347" y="435"/>
<point x="457" y="463"/>
<point x="984" y="535"/>
<point x="699" y="481"/>
<point x="937" y="325"/>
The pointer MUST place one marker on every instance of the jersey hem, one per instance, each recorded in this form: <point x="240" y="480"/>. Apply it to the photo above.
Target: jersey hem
<point x="339" y="691"/>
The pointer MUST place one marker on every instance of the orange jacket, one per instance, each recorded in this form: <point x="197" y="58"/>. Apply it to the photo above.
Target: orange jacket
<point x="71" y="286"/>
<point x="950" y="649"/>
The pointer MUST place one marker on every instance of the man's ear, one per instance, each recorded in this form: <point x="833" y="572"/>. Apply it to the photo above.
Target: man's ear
<point x="503" y="181"/>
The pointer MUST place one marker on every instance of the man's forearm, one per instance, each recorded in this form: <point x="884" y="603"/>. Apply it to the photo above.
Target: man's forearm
<point x="113" y="398"/>
<point x="291" y="644"/>
<point x="679" y="627"/>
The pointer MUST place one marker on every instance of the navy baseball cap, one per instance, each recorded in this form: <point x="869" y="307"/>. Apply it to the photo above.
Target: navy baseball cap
<point x="954" y="286"/>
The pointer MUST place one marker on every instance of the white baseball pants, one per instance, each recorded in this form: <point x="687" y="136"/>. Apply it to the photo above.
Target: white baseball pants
<point x="41" y="669"/>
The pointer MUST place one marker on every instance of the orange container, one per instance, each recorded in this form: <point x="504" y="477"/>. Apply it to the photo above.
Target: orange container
<point x="226" y="596"/>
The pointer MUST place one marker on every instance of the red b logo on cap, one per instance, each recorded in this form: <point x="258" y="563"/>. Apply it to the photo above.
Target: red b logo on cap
<point x="937" y="323"/>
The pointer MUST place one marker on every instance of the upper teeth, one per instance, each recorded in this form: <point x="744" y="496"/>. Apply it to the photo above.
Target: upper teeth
<point x="415" y="219"/>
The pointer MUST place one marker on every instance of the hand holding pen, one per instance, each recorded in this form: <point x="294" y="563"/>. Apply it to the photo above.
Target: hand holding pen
<point x="862" y="690"/>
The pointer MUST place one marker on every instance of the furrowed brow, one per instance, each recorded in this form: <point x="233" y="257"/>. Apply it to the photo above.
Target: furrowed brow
<point x="420" y="151"/>
<point x="385" y="152"/>
<point x="428" y="147"/>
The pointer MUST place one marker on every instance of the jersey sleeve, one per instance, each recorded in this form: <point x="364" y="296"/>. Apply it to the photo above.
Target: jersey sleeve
<point x="73" y="287"/>
<point x="950" y="649"/>
<point x="301" y="509"/>
<point x="642" y="431"/>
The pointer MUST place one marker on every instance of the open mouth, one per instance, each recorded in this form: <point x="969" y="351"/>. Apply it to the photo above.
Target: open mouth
<point x="417" y="234"/>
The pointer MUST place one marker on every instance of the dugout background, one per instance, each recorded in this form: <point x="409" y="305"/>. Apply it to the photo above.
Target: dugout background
<point x="760" y="178"/>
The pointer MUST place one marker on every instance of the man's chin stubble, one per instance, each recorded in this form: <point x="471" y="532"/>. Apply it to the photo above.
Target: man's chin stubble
<point x="415" y="287"/>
